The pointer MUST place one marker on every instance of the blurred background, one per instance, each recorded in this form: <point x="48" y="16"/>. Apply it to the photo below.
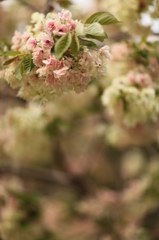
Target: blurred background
<point x="68" y="170"/>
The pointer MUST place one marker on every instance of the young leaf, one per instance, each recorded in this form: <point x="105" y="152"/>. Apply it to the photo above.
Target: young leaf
<point x="11" y="53"/>
<point x="79" y="29"/>
<point x="27" y="64"/>
<point x="95" y="31"/>
<point x="104" y="18"/>
<point x="9" y="61"/>
<point x="88" y="43"/>
<point x="19" y="70"/>
<point x="62" y="45"/>
<point x="75" y="45"/>
<point x="101" y="38"/>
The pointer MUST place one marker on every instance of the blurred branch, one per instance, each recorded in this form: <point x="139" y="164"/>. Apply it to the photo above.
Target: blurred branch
<point x="47" y="176"/>
<point x="121" y="36"/>
<point x="49" y="6"/>
<point x="6" y="96"/>
<point x="27" y="4"/>
<point x="38" y="174"/>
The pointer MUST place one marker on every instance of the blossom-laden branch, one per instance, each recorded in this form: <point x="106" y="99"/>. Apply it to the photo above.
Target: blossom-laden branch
<point x="56" y="54"/>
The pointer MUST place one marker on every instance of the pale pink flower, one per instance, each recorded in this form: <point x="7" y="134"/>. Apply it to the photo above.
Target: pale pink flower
<point x="120" y="51"/>
<point x="67" y="62"/>
<point x="85" y="60"/>
<point x="39" y="54"/>
<point x="50" y="79"/>
<point x="38" y="27"/>
<point x="50" y="25"/>
<point x="16" y="40"/>
<point x="86" y="78"/>
<point x="61" y="29"/>
<point x="59" y="73"/>
<point x="45" y="40"/>
<point x="71" y="24"/>
<point x="142" y="79"/>
<point x="98" y="62"/>
<point x="41" y="71"/>
<point x="78" y="81"/>
<point x="74" y="75"/>
<point x="26" y="36"/>
<point x="31" y="43"/>
<point x="65" y="15"/>
<point x="104" y="52"/>
<point x="52" y="64"/>
<point x="50" y="61"/>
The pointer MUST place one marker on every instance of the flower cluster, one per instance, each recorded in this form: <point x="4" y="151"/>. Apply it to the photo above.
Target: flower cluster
<point x="23" y="136"/>
<point x="132" y="98"/>
<point x="129" y="104"/>
<point x="51" y="57"/>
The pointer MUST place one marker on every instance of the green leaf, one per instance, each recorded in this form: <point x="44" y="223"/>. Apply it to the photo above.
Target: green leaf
<point x="95" y="31"/>
<point x="27" y="64"/>
<point x="101" y="39"/>
<point x="79" y="30"/>
<point x="11" y="53"/>
<point x="104" y="18"/>
<point x="75" y="45"/>
<point x="143" y="53"/>
<point x="93" y="81"/>
<point x="32" y="64"/>
<point x="152" y="44"/>
<point x="9" y="61"/>
<point x="88" y="43"/>
<point x="62" y="45"/>
<point x="19" y="70"/>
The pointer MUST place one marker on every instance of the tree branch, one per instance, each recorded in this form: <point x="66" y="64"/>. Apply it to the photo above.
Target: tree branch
<point x="37" y="174"/>
<point x="33" y="8"/>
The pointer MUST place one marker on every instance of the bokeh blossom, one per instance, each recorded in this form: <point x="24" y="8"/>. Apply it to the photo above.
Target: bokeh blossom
<point x="23" y="136"/>
<point x="132" y="96"/>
